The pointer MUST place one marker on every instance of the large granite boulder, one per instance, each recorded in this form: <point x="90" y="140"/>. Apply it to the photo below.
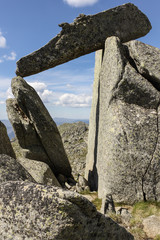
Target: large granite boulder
<point x="5" y="144"/>
<point x="34" y="117"/>
<point x="85" y="35"/>
<point x="32" y="211"/>
<point x="128" y="154"/>
<point x="11" y="170"/>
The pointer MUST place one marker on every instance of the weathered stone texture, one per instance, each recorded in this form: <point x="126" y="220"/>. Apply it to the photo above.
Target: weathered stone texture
<point x="32" y="211"/>
<point x="40" y="171"/>
<point x="85" y="35"/>
<point x="128" y="160"/>
<point x="147" y="60"/>
<point x="152" y="226"/>
<point x="33" y="108"/>
<point x="5" y="144"/>
<point x="11" y="170"/>
<point x="28" y="140"/>
<point x="91" y="170"/>
<point x="74" y="137"/>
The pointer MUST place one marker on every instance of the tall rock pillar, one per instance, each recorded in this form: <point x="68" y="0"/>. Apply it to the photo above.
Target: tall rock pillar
<point x="91" y="160"/>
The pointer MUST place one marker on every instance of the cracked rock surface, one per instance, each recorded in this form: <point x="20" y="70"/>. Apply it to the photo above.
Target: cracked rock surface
<point x="128" y="152"/>
<point x="42" y="140"/>
<point x="33" y="211"/>
<point x="85" y="35"/>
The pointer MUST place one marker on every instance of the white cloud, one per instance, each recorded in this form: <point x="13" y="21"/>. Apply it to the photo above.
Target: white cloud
<point x="2" y="102"/>
<point x="80" y="3"/>
<point x="10" y="57"/>
<point x="3" y="42"/>
<point x="9" y="93"/>
<point x="38" y="86"/>
<point x="72" y="100"/>
<point x="46" y="95"/>
<point x="41" y="89"/>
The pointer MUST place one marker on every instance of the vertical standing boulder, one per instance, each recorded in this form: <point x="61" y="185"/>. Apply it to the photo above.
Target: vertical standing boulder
<point x="5" y="144"/>
<point x="127" y="160"/>
<point x="91" y="169"/>
<point x="33" y="108"/>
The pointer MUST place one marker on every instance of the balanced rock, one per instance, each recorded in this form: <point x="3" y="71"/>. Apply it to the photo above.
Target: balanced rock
<point x="33" y="211"/>
<point x="11" y="170"/>
<point x="5" y="144"/>
<point x="128" y="152"/>
<point x="33" y="108"/>
<point x="85" y="35"/>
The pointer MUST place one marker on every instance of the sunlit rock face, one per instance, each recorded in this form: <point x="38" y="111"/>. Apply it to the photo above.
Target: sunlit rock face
<point x="35" y="129"/>
<point x="128" y="143"/>
<point x="34" y="211"/>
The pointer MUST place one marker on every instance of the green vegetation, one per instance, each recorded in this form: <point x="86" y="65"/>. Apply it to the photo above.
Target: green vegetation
<point x="97" y="202"/>
<point x="146" y="209"/>
<point x="139" y="211"/>
<point x="157" y="237"/>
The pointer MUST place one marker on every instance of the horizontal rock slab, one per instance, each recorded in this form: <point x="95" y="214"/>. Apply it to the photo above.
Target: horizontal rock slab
<point x="5" y="144"/>
<point x="33" y="108"/>
<point x="11" y="170"/>
<point x="33" y="211"/>
<point x="85" y="35"/>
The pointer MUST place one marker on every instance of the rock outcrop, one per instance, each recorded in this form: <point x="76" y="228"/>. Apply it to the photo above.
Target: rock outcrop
<point x="5" y="144"/>
<point x="11" y="170"/>
<point x="33" y="120"/>
<point x="128" y="151"/>
<point x="74" y="137"/>
<point x="32" y="211"/>
<point x="85" y="35"/>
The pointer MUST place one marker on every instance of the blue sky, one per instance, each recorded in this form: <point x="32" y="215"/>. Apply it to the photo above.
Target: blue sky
<point x="26" y="26"/>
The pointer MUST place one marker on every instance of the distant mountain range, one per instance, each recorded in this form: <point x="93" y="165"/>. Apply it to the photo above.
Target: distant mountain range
<point x="58" y="121"/>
